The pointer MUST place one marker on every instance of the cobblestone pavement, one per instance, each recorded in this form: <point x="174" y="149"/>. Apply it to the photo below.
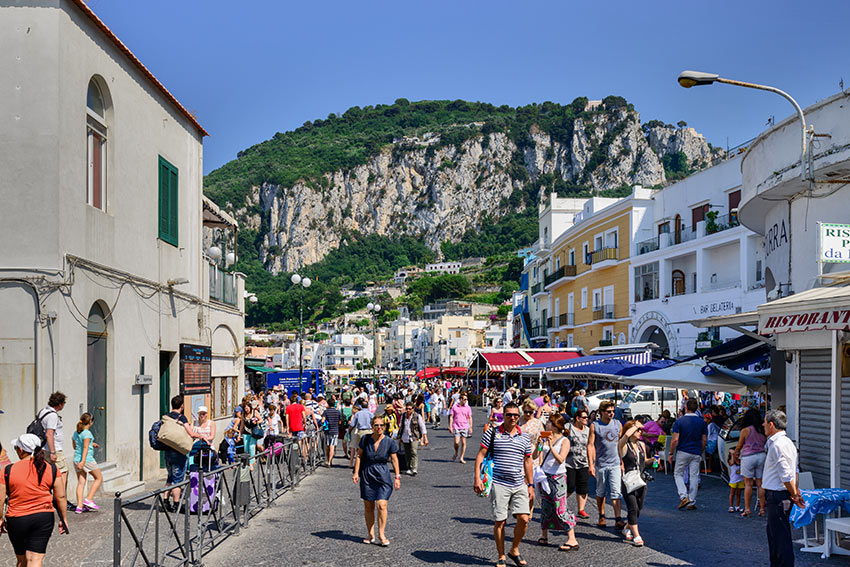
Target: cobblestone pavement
<point x="436" y="519"/>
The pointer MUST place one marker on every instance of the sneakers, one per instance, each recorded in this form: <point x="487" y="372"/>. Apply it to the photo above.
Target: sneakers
<point x="462" y="462"/>
<point x="90" y="504"/>
<point x="731" y="509"/>
<point x="582" y="514"/>
<point x="682" y="503"/>
<point x="79" y="510"/>
<point x="692" y="505"/>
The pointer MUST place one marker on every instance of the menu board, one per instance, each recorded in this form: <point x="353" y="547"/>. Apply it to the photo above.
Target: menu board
<point x="195" y="370"/>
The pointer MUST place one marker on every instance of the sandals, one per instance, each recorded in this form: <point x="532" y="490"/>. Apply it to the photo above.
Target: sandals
<point x="745" y="514"/>
<point x="638" y="542"/>
<point x="520" y="562"/>
<point x="761" y="513"/>
<point x="543" y="541"/>
<point x="501" y="563"/>
<point x="568" y="547"/>
<point x="384" y="543"/>
<point x="601" y="523"/>
<point x="370" y="541"/>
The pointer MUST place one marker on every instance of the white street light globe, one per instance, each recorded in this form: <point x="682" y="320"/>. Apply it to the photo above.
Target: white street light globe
<point x="295" y="279"/>
<point x="253" y="299"/>
<point x="369" y="306"/>
<point x="306" y="282"/>
<point x="230" y="258"/>
<point x="214" y="252"/>
<point x="377" y="308"/>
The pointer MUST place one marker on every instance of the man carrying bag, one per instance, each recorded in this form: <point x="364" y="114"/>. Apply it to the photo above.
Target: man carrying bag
<point x="177" y="435"/>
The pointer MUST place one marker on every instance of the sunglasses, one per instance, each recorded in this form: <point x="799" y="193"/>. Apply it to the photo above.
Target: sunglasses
<point x="527" y="411"/>
<point x="608" y="411"/>
<point x="378" y="425"/>
<point x="513" y="415"/>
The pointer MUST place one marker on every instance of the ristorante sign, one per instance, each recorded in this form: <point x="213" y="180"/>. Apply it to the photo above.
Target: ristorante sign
<point x="813" y="320"/>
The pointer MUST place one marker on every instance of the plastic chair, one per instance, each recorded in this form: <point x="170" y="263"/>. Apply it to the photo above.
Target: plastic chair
<point x="806" y="482"/>
<point x="668" y="442"/>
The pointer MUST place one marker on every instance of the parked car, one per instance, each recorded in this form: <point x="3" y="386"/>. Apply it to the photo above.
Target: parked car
<point x="596" y="398"/>
<point x="646" y="400"/>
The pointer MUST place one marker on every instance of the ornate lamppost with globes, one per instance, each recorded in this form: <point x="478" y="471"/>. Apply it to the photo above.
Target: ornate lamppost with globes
<point x="297" y="280"/>
<point x="373" y="309"/>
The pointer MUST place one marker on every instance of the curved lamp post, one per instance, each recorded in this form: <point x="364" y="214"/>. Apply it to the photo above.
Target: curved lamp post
<point x="688" y="79"/>
<point x="297" y="280"/>
<point x="373" y="309"/>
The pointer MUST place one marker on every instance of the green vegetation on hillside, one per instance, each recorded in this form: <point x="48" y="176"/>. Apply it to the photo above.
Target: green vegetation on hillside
<point x="350" y="139"/>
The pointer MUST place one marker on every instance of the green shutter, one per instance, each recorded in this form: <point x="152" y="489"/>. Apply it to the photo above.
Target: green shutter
<point x="167" y="202"/>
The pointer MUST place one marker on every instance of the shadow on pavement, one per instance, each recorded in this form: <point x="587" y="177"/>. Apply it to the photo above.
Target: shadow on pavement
<point x="482" y="521"/>
<point x="338" y="535"/>
<point x="450" y="557"/>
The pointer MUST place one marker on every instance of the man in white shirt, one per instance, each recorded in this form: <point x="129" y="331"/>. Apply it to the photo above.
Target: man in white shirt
<point x="780" y="489"/>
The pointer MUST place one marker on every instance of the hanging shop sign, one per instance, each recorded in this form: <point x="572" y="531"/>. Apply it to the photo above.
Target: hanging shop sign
<point x="813" y="320"/>
<point x="834" y="243"/>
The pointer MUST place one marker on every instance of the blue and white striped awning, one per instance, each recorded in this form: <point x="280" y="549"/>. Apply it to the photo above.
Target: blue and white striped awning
<point x="644" y="357"/>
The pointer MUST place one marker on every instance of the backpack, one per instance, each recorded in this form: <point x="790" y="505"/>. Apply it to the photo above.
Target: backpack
<point x="36" y="427"/>
<point x="153" y="435"/>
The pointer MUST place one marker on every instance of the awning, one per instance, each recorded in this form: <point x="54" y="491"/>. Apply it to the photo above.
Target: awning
<point x="263" y="369"/>
<point x="606" y="368"/>
<point x="548" y="356"/>
<point x="501" y="361"/>
<point x="689" y="376"/>
<point x="745" y="318"/>
<point x="578" y="362"/>
<point x="432" y="371"/>
<point x="739" y="352"/>
<point x="214" y="217"/>
<point x="816" y="309"/>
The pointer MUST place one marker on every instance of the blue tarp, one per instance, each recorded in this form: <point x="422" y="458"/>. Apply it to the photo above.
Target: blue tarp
<point x="614" y="367"/>
<point x="821" y="501"/>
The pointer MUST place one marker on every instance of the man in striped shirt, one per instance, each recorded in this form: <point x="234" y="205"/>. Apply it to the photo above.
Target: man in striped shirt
<point x="512" y="485"/>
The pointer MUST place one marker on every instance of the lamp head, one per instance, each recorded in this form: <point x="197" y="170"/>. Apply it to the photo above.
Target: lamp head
<point x="214" y="252"/>
<point x="295" y="279"/>
<point x="377" y="307"/>
<point x="688" y="79"/>
<point x="369" y="306"/>
<point x="306" y="282"/>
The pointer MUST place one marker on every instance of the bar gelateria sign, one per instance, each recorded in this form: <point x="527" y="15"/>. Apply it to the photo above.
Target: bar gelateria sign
<point x="817" y="319"/>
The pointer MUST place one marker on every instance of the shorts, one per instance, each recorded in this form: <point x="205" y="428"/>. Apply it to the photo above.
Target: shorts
<point x="608" y="482"/>
<point x="736" y="484"/>
<point x="577" y="480"/>
<point x="509" y="499"/>
<point x="461" y="432"/>
<point x="175" y="465"/>
<point x="61" y="464"/>
<point x="331" y="440"/>
<point x="357" y="435"/>
<point x="300" y="434"/>
<point x="752" y="466"/>
<point x="88" y="466"/>
<point x="30" y="532"/>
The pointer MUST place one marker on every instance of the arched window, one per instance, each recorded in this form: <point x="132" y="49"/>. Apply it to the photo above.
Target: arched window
<point x="677" y="228"/>
<point x="96" y="146"/>
<point x="678" y="282"/>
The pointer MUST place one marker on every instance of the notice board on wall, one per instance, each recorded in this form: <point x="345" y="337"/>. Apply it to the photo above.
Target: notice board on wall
<point x="195" y="369"/>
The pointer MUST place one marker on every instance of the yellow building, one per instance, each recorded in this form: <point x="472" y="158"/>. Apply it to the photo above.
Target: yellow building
<point x="587" y="276"/>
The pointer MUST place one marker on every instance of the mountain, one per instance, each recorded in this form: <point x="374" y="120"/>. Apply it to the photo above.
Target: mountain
<point x="442" y="172"/>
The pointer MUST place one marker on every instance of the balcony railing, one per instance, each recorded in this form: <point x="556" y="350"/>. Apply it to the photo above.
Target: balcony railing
<point x="721" y="223"/>
<point x="601" y="312"/>
<point x="539" y="331"/>
<point x="603" y="254"/>
<point x="566" y="319"/>
<point x="686" y="289"/>
<point x="536" y="288"/>
<point x="222" y="286"/>
<point x="550" y="323"/>
<point x="647" y="246"/>
<point x="728" y="284"/>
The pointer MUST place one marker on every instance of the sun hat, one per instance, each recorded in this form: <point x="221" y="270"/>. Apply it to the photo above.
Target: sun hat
<point x="27" y="443"/>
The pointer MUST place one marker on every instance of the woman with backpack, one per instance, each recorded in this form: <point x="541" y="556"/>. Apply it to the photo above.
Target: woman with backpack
<point x="85" y="464"/>
<point x="31" y="485"/>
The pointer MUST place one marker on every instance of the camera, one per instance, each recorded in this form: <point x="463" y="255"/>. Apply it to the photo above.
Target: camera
<point x="647" y="477"/>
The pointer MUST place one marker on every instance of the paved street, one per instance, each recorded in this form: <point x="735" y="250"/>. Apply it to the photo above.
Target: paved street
<point x="436" y="519"/>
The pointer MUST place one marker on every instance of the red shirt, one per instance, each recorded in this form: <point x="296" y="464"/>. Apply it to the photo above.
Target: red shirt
<point x="295" y="417"/>
<point x="28" y="495"/>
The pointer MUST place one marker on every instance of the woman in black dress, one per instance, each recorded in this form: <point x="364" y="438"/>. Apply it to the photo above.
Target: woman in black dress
<point x="377" y="486"/>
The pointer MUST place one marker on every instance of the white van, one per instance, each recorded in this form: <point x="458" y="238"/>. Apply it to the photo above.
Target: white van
<point x="647" y="400"/>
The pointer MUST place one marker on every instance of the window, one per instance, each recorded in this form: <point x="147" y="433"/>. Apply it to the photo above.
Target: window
<point x="734" y="201"/>
<point x="570" y="340"/>
<point x="457" y="334"/>
<point x="759" y="275"/>
<point x="698" y="215"/>
<point x="558" y="263"/>
<point x="608" y="334"/>
<point x="647" y="396"/>
<point x="664" y="228"/>
<point x="646" y="282"/>
<point x="223" y="396"/>
<point x="611" y="239"/>
<point x="167" y="202"/>
<point x="584" y="298"/>
<point x="678" y="282"/>
<point x="586" y="253"/>
<point x="572" y="257"/>
<point x="597" y="242"/>
<point x="570" y="303"/>
<point x="677" y="235"/>
<point x="597" y="299"/>
<point x="95" y="147"/>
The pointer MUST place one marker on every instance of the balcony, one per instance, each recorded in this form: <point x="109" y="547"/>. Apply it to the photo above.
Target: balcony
<point x="603" y="257"/>
<point x="682" y="289"/>
<point x="602" y="312"/>
<point x="718" y="285"/>
<point x="566" y="320"/>
<point x="720" y="223"/>
<point x="537" y="289"/>
<point x="222" y="286"/>
<point x="560" y="273"/>
<point x="647" y="246"/>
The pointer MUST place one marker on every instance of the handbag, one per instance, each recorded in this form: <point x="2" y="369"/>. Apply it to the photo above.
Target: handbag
<point x="487" y="467"/>
<point x="633" y="480"/>
<point x="257" y="431"/>
<point x="174" y="435"/>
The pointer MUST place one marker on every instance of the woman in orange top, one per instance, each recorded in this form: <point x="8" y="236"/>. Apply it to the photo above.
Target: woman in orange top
<point x="32" y="483"/>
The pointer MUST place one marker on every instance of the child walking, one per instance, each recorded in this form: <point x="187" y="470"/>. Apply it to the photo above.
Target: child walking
<point x="85" y="464"/>
<point x="736" y="484"/>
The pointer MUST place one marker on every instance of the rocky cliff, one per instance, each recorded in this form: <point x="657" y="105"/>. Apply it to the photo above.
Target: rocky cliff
<point x="422" y="186"/>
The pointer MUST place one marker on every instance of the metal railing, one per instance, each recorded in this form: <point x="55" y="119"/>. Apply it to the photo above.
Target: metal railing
<point x="721" y="223"/>
<point x="647" y="246"/>
<point x="603" y="312"/>
<point x="227" y="498"/>
<point x="566" y="319"/>
<point x="602" y="254"/>
<point x="536" y="288"/>
<point x="562" y="272"/>
<point x="222" y="285"/>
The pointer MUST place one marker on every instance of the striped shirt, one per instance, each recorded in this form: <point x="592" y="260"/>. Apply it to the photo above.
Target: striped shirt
<point x="509" y="452"/>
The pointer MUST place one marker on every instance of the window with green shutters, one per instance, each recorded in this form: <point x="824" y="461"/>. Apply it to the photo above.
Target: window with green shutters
<point x="167" y="202"/>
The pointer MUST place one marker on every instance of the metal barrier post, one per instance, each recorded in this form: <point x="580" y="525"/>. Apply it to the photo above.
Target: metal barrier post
<point x="116" y="529"/>
<point x="184" y="497"/>
<point x="237" y="497"/>
<point x="202" y="492"/>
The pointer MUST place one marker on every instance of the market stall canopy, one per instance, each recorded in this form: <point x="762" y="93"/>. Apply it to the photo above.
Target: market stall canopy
<point x="739" y="352"/>
<point x="568" y="364"/>
<point x="606" y="368"/>
<point x="688" y="376"/>
<point x="264" y="369"/>
<point x="500" y="361"/>
<point x="433" y="371"/>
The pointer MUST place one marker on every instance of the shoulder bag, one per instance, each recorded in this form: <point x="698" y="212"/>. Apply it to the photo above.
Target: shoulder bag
<point x="173" y="435"/>
<point x="633" y="479"/>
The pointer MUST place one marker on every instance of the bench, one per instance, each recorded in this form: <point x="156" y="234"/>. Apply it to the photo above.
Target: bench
<point x="832" y="527"/>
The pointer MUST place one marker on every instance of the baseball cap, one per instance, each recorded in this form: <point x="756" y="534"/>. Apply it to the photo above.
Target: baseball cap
<point x="203" y="409"/>
<point x="27" y="443"/>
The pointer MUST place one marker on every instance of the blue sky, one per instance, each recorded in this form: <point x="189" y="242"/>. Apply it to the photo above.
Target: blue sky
<point x="250" y="69"/>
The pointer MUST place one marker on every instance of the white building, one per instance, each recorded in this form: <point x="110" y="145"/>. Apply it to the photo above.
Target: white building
<point x="104" y="270"/>
<point x="346" y="351"/>
<point x="693" y="261"/>
<point x="811" y="325"/>
<point x="399" y="346"/>
<point x="443" y="268"/>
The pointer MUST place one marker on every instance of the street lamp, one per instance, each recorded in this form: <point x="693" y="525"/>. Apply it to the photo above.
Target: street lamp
<point x="302" y="283"/>
<point x="373" y="309"/>
<point x="404" y="321"/>
<point x="688" y="79"/>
